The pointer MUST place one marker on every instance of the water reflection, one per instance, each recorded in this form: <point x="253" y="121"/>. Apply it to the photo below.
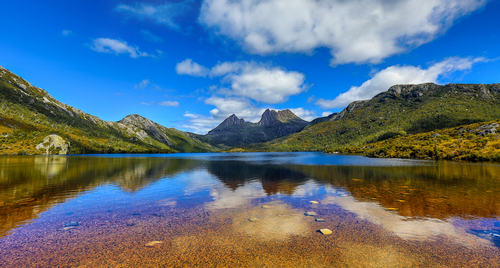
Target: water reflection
<point x="193" y="200"/>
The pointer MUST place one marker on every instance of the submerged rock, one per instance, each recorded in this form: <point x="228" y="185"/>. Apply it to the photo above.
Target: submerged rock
<point x="264" y="206"/>
<point x="325" y="231"/>
<point x="254" y="219"/>
<point x="310" y="213"/>
<point x="320" y="220"/>
<point x="71" y="224"/>
<point x="313" y="202"/>
<point x="154" y="244"/>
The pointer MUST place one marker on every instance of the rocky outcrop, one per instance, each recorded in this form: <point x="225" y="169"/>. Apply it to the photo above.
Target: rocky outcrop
<point x="54" y="144"/>
<point x="483" y="130"/>
<point x="152" y="128"/>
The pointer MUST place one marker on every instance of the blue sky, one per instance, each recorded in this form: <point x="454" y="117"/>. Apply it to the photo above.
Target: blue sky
<point x="190" y="64"/>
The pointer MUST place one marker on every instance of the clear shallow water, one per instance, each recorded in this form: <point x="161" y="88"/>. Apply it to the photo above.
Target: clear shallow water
<point x="382" y="212"/>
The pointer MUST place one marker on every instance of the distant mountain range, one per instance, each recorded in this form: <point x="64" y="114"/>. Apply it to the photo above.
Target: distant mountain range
<point x="33" y="122"/>
<point x="234" y="131"/>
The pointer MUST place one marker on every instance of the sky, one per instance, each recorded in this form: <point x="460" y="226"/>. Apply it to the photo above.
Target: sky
<point x="189" y="64"/>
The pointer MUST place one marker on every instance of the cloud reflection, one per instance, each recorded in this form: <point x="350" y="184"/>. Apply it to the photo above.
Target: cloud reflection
<point x="404" y="227"/>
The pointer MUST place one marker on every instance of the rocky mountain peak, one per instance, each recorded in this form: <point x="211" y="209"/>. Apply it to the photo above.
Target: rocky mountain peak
<point x="136" y="120"/>
<point x="232" y="120"/>
<point x="269" y="118"/>
<point x="272" y="117"/>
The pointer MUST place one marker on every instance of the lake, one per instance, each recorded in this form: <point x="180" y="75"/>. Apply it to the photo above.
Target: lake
<point x="247" y="210"/>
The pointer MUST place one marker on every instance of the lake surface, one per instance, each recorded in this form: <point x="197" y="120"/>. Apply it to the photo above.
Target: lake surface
<point x="247" y="210"/>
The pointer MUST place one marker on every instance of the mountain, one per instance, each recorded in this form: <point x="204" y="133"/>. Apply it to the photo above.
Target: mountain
<point x="474" y="142"/>
<point x="31" y="121"/>
<point x="174" y="138"/>
<point x="234" y="131"/>
<point x="403" y="109"/>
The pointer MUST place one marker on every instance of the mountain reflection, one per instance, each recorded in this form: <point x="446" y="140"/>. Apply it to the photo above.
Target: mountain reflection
<point x="274" y="179"/>
<point x="30" y="185"/>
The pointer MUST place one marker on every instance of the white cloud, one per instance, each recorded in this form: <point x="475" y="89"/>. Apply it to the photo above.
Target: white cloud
<point x="304" y="114"/>
<point x="325" y="114"/>
<point x="191" y="115"/>
<point x="145" y="103"/>
<point x="355" y="31"/>
<point x="188" y="67"/>
<point x="162" y="14"/>
<point x="152" y="37"/>
<point x="396" y="74"/>
<point x="142" y="85"/>
<point x="67" y="32"/>
<point x="107" y="45"/>
<point x="199" y="124"/>
<point x="259" y="82"/>
<point x="169" y="103"/>
<point x="242" y="107"/>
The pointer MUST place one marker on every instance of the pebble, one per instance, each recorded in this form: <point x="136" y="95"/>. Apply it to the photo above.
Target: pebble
<point x="71" y="223"/>
<point x="253" y="219"/>
<point x="320" y="220"/>
<point x="313" y="202"/>
<point x="264" y="206"/>
<point x="310" y="213"/>
<point x="325" y="231"/>
<point x="154" y="244"/>
<point x="68" y="228"/>
<point x="391" y="208"/>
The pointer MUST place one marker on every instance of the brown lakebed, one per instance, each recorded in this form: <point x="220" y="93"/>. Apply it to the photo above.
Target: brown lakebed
<point x="194" y="210"/>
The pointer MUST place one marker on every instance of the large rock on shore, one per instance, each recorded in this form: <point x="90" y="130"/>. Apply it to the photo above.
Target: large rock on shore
<point x="54" y="144"/>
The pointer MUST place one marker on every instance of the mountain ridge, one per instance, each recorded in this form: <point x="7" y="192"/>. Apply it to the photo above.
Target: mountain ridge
<point x="402" y="108"/>
<point x="39" y="115"/>
<point x="234" y="131"/>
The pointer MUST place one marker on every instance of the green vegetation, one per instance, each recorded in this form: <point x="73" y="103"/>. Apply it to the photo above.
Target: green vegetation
<point x="403" y="109"/>
<point x="475" y="142"/>
<point x="29" y="114"/>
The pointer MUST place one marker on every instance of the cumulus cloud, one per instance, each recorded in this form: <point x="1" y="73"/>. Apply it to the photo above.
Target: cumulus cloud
<point x="108" y="45"/>
<point x="259" y="82"/>
<point x="164" y="14"/>
<point x="242" y="107"/>
<point x="188" y="67"/>
<point x="152" y="37"/>
<point x="169" y="103"/>
<point x="304" y="114"/>
<point x="355" y="31"/>
<point x="142" y="85"/>
<point x="145" y="103"/>
<point x="396" y="74"/>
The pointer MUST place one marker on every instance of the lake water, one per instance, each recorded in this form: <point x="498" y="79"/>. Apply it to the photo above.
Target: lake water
<point x="247" y="210"/>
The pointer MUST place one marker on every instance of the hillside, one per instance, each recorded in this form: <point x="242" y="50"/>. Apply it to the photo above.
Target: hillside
<point x="474" y="142"/>
<point x="402" y="109"/>
<point x="29" y="115"/>
<point x="234" y="131"/>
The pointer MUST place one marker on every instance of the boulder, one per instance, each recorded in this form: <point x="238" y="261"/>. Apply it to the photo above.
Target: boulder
<point x="54" y="144"/>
